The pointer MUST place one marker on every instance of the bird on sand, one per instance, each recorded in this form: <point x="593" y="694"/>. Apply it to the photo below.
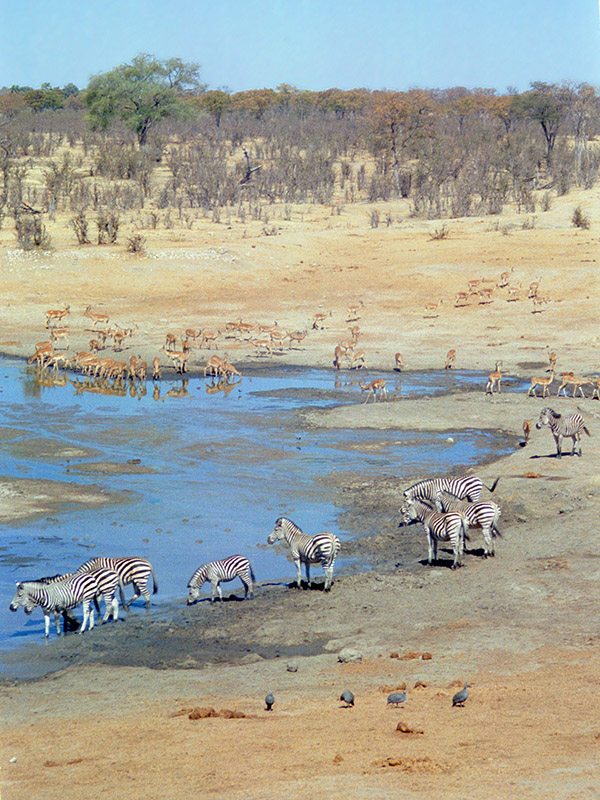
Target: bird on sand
<point x="348" y="698"/>
<point x="460" y="697"/>
<point x="396" y="699"/>
<point x="269" y="700"/>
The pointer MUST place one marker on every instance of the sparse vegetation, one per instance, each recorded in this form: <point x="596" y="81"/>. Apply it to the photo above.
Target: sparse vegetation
<point x="580" y="219"/>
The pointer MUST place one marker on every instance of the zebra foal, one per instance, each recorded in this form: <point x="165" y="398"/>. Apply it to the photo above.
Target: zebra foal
<point x="221" y="571"/>
<point x="439" y="527"/>
<point x="56" y="596"/>
<point x="561" y="426"/>
<point x="483" y="515"/>
<point x="322" y="548"/>
<point x="466" y="488"/>
<point x="130" y="569"/>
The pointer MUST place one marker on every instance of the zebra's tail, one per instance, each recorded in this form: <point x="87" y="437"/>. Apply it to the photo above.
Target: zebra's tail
<point x="252" y="575"/>
<point x="155" y="582"/>
<point x="586" y="430"/>
<point x="494" y="484"/>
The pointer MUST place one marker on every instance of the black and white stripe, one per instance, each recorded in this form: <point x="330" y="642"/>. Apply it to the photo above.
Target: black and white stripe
<point x="319" y="549"/>
<point x="561" y="426"/>
<point x="221" y="571"/>
<point x="56" y="596"/>
<point x="439" y="527"/>
<point x="484" y="515"/>
<point x="130" y="569"/>
<point x="466" y="488"/>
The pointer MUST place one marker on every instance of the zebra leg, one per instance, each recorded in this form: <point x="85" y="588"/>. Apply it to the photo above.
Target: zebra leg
<point x="328" y="577"/>
<point x="489" y="544"/>
<point x="86" y="616"/>
<point x="431" y="548"/>
<point x="307" y="566"/>
<point x="558" y="440"/>
<point x="47" y="625"/>
<point x="298" y="564"/>
<point x="247" y="587"/>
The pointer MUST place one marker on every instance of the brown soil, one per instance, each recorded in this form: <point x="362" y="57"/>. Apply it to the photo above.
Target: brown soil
<point x="521" y="628"/>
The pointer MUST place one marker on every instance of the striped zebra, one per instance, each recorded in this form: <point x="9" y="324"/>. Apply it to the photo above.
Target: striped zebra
<point x="107" y="580"/>
<point x="484" y="515"/>
<point x="466" y="488"/>
<point x="440" y="527"/>
<point x="563" y="426"/>
<point x="130" y="569"/>
<point x="57" y="596"/>
<point x="319" y="549"/>
<point x="221" y="571"/>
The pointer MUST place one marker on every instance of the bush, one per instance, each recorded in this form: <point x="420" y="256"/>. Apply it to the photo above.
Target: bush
<point x="80" y="226"/>
<point x="136" y="243"/>
<point x="579" y="219"/>
<point x="31" y="231"/>
<point x="108" y="227"/>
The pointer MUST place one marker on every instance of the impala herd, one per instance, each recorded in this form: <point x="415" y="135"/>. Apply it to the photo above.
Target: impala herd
<point x="268" y="339"/>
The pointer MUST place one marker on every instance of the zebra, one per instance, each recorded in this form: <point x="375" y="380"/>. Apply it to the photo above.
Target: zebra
<point x="482" y="515"/>
<point x="440" y="527"/>
<point x="321" y="548"/>
<point x="563" y="426"/>
<point x="107" y="580"/>
<point x="57" y="596"/>
<point x="225" y="570"/>
<point x="466" y="488"/>
<point x="130" y="569"/>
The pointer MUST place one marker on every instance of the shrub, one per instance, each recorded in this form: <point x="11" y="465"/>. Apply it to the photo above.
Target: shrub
<point x="579" y="219"/>
<point x="136" y="243"/>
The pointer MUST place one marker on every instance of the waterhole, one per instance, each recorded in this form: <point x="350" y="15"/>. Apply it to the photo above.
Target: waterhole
<point x="185" y="472"/>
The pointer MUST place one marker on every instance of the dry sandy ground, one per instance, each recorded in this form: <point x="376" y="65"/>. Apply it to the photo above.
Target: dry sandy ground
<point x="521" y="628"/>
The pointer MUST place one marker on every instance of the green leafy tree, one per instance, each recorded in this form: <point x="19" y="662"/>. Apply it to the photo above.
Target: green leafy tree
<point x="140" y="93"/>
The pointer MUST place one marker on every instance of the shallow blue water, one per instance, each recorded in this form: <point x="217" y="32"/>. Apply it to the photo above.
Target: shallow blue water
<point x="224" y="467"/>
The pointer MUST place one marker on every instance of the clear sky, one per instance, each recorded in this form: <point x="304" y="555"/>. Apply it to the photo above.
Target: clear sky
<point x="252" y="44"/>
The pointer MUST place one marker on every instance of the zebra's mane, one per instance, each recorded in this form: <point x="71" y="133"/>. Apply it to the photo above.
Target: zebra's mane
<point x="554" y="413"/>
<point x="295" y="528"/>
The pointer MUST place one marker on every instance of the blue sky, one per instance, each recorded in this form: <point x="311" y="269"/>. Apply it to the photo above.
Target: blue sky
<point x="251" y="44"/>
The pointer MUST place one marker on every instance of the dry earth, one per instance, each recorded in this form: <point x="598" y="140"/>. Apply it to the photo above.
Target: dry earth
<point x="521" y="628"/>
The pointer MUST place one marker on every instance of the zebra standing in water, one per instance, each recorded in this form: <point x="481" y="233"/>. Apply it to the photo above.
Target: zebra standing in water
<point x="466" y="488"/>
<point x="58" y="596"/>
<point x="484" y="515"/>
<point x="439" y="527"/>
<point x="225" y="570"/>
<point x="321" y="548"/>
<point x="130" y="569"/>
<point x="563" y="426"/>
<point x="107" y="580"/>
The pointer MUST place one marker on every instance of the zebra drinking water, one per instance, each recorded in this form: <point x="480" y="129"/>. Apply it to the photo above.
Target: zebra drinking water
<point x="58" y="596"/>
<point x="321" y="548"/>
<point x="466" y="488"/>
<point x="439" y="527"/>
<point x="225" y="570"/>
<point x="561" y="426"/>
<point x="130" y="569"/>
<point x="482" y="515"/>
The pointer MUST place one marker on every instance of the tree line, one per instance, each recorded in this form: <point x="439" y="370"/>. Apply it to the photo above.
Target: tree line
<point x="148" y="133"/>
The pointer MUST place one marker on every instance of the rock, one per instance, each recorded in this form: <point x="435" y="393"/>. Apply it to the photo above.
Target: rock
<point x="402" y="727"/>
<point x="292" y="667"/>
<point x="349" y="655"/>
<point x="251" y="658"/>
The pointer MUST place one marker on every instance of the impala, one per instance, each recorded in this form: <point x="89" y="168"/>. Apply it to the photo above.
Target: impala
<point x="543" y="382"/>
<point x="494" y="379"/>
<point x="57" y="315"/>
<point x="376" y="387"/>
<point x="96" y="318"/>
<point x="450" y="359"/>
